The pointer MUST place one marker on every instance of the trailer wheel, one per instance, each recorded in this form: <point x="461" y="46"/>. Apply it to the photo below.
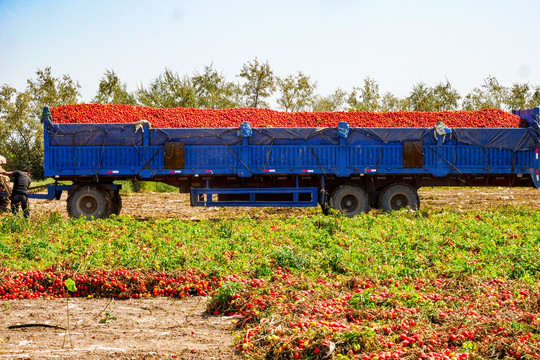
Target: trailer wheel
<point x="89" y="201"/>
<point x="350" y="200"/>
<point x="399" y="196"/>
<point x="116" y="203"/>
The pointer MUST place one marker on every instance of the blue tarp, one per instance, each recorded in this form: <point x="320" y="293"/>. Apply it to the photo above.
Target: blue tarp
<point x="94" y="134"/>
<point x="529" y="116"/>
<point x="515" y="139"/>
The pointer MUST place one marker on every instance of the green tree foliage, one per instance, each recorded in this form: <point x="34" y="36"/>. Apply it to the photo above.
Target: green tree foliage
<point x="518" y="96"/>
<point x="522" y="96"/>
<point x="489" y="95"/>
<point x="534" y="100"/>
<point x="441" y="97"/>
<point x="420" y="98"/>
<point x="21" y="132"/>
<point x="390" y="102"/>
<point x="297" y="92"/>
<point x="213" y="91"/>
<point x="168" y="90"/>
<point x="332" y="102"/>
<point x="113" y="91"/>
<point x="365" y="98"/>
<point x="260" y="83"/>
<point x="47" y="90"/>
<point x="445" y="97"/>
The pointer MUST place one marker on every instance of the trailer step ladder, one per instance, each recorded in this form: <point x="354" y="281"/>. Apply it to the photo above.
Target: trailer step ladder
<point x="286" y="196"/>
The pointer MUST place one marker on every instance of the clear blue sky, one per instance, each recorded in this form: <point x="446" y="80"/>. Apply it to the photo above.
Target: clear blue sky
<point x="337" y="42"/>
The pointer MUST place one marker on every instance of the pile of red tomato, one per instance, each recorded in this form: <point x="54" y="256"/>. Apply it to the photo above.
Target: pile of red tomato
<point x="120" y="284"/>
<point x="288" y="317"/>
<point x="223" y="118"/>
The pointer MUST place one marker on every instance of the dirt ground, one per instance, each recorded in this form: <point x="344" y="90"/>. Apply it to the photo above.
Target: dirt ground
<point x="161" y="328"/>
<point x="169" y="205"/>
<point x="157" y="328"/>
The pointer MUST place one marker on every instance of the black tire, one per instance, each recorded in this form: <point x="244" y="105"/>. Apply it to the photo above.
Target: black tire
<point x="399" y="196"/>
<point x="89" y="201"/>
<point x="116" y="203"/>
<point x="350" y="200"/>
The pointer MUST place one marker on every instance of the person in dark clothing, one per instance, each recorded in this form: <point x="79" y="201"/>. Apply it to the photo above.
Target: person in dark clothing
<point x="19" y="194"/>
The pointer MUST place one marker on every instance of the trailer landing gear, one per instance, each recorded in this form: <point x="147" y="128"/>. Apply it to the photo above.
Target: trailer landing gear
<point x="116" y="203"/>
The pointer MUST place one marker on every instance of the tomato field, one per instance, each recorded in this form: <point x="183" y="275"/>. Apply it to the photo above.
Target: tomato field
<point x="222" y="118"/>
<point x="439" y="283"/>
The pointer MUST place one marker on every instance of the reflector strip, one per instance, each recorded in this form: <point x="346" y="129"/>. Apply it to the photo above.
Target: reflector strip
<point x="371" y="170"/>
<point x="536" y="153"/>
<point x="175" y="171"/>
<point x="537" y="175"/>
<point x="112" y="171"/>
<point x="307" y="171"/>
<point x="270" y="170"/>
<point x="208" y="171"/>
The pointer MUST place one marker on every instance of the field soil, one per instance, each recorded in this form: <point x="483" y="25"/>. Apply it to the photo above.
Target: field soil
<point x="156" y="328"/>
<point x="173" y="205"/>
<point x="160" y="328"/>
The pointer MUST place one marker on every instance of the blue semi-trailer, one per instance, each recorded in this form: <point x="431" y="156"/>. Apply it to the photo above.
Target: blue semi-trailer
<point x="345" y="168"/>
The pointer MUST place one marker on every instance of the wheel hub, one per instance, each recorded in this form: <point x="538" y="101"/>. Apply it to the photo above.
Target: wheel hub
<point x="349" y="203"/>
<point x="399" y="201"/>
<point x="88" y="204"/>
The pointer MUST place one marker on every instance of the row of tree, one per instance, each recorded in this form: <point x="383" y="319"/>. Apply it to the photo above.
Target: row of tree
<point x="21" y="131"/>
<point x="297" y="92"/>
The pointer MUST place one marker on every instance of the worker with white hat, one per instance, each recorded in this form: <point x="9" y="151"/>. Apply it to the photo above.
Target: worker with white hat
<point x="4" y="186"/>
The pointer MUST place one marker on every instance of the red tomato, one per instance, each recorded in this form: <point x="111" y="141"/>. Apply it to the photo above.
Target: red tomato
<point x="193" y="118"/>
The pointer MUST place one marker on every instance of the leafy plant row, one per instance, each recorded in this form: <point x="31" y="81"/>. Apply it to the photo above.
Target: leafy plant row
<point x="502" y="243"/>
